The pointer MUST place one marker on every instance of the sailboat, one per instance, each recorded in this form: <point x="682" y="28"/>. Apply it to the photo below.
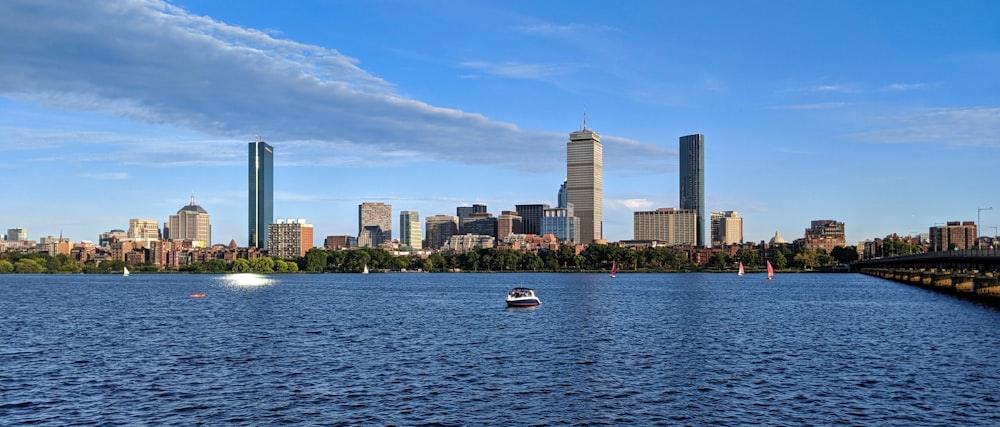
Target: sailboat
<point x="365" y="271"/>
<point x="614" y="269"/>
<point x="125" y="271"/>
<point x="770" y="271"/>
<point x="741" y="272"/>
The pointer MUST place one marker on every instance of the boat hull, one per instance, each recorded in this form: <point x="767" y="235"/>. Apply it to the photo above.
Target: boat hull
<point x="523" y="302"/>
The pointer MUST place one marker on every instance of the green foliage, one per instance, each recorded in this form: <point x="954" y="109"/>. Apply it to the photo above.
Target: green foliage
<point x="6" y="266"/>
<point x="845" y="254"/>
<point x="28" y="265"/>
<point x="719" y="261"/>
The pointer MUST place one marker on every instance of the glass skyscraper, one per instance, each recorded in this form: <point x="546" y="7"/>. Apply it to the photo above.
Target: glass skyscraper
<point x="260" y="208"/>
<point x="692" y="191"/>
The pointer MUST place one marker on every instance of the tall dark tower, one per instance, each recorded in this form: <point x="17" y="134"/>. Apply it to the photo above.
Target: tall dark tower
<point x="260" y="207"/>
<point x="692" y="163"/>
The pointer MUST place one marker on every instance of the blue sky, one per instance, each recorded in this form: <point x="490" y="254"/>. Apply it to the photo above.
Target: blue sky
<point x="884" y="115"/>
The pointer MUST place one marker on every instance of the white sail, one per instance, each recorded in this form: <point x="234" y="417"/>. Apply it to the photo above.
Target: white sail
<point x="125" y="271"/>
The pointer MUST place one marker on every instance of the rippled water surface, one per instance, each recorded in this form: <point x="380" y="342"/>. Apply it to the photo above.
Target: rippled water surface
<point x="441" y="349"/>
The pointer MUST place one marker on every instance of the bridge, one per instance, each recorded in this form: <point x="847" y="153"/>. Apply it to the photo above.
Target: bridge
<point x="968" y="273"/>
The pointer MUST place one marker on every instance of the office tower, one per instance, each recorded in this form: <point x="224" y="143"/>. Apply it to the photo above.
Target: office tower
<point x="440" y="228"/>
<point x="561" y="223"/>
<point x="191" y="223"/>
<point x="260" y="206"/>
<point x="17" y="234"/>
<point x="584" y="185"/>
<point x="561" y="197"/>
<point x="480" y="223"/>
<point x="727" y="228"/>
<point x="409" y="230"/>
<point x="668" y="225"/>
<point x="289" y="239"/>
<point x="531" y="218"/>
<point x="463" y="213"/>
<point x="692" y="179"/>
<point x="375" y="214"/>
<point x="139" y="228"/>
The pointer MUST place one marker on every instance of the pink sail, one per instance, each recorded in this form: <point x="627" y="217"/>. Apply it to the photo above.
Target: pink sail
<point x="614" y="269"/>
<point x="770" y="271"/>
<point x="741" y="269"/>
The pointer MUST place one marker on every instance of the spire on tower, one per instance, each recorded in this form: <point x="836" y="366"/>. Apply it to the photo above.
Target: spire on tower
<point x="192" y="199"/>
<point x="585" y="120"/>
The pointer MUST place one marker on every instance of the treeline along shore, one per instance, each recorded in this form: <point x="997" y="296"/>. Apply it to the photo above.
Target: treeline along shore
<point x="595" y="257"/>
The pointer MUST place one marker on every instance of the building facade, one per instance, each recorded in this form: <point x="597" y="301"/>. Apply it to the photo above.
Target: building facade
<point x="692" y="180"/>
<point x="260" y="206"/>
<point x="825" y="234"/>
<point x="340" y="242"/>
<point x="409" y="230"/>
<point x="531" y="218"/>
<point x="463" y="213"/>
<point x="289" y="238"/>
<point x="727" y="228"/>
<point x="140" y="228"/>
<point x="17" y="234"/>
<point x="191" y="223"/>
<point x="509" y="222"/>
<point x="669" y="225"/>
<point x="584" y="182"/>
<point x="482" y="223"/>
<point x="560" y="223"/>
<point x="561" y="196"/>
<point x="461" y="243"/>
<point x="375" y="214"/>
<point x="953" y="235"/>
<point x="440" y="228"/>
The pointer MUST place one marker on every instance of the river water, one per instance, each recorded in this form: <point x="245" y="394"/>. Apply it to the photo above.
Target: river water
<point x="442" y="349"/>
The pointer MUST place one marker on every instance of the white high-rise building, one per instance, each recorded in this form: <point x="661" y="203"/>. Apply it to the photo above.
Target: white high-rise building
<point x="667" y="225"/>
<point x="727" y="228"/>
<point x="141" y="228"/>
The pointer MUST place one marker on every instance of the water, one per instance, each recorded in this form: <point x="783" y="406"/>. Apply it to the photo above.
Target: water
<point x="441" y="349"/>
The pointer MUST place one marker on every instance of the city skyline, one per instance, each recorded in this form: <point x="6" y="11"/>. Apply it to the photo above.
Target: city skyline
<point x="875" y="115"/>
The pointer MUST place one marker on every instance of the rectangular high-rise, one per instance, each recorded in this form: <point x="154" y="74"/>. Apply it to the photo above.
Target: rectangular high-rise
<point x="375" y="214"/>
<point x="692" y="180"/>
<point x="584" y="182"/>
<point x="260" y="206"/>
<point x="409" y="230"/>
<point x="531" y="217"/>
<point x="668" y="225"/>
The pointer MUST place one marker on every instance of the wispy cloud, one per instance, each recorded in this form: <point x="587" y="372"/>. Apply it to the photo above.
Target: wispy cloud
<point x="153" y="62"/>
<point x="547" y="28"/>
<point x="949" y="126"/>
<point x="106" y="176"/>
<point x="900" y="87"/>
<point x="516" y="70"/>
<point x="813" y="106"/>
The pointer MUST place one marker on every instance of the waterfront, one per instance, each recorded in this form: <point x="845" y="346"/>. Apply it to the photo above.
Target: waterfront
<point x="442" y="349"/>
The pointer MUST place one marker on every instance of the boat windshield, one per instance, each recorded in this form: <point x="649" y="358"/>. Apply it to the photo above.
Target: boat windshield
<point x="521" y="292"/>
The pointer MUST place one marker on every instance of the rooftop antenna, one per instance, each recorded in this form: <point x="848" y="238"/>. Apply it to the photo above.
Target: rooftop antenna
<point x="192" y="198"/>
<point x="584" y="119"/>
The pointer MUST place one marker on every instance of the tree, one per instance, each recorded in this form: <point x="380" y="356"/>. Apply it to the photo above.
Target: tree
<point x="241" y="266"/>
<point x="315" y="260"/>
<point x="28" y="265"/>
<point x="6" y="266"/>
<point x="780" y="262"/>
<point x="719" y="261"/>
<point x="845" y="254"/>
<point x="749" y="257"/>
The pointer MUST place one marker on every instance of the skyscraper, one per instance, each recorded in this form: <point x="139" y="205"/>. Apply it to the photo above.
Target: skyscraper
<point x="260" y="207"/>
<point x="561" y="197"/>
<point x="584" y="181"/>
<point x="667" y="225"/>
<point x="692" y="180"/>
<point x="409" y="230"/>
<point x="440" y="228"/>
<point x="727" y="228"/>
<point x="531" y="218"/>
<point x="289" y="239"/>
<point x="375" y="214"/>
<point x="191" y="223"/>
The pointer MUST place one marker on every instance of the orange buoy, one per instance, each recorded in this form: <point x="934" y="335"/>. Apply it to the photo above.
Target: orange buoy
<point x="198" y="295"/>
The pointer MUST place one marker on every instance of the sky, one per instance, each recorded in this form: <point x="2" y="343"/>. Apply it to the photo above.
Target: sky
<point x="883" y="115"/>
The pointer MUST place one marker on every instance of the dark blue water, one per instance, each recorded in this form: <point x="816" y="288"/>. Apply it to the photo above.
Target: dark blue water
<point x="441" y="349"/>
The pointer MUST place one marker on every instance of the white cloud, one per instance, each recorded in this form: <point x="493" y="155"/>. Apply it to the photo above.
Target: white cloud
<point x="152" y="62"/>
